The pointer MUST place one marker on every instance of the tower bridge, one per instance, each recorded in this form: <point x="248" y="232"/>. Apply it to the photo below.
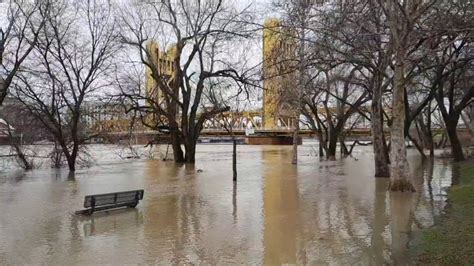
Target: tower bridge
<point x="272" y="124"/>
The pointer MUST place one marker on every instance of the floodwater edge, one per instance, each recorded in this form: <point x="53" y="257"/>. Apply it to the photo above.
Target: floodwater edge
<point x="451" y="240"/>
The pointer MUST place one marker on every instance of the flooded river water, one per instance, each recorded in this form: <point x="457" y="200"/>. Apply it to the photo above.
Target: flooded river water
<point x="318" y="212"/>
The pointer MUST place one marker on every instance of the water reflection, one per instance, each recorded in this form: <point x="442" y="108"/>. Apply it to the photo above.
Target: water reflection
<point x="317" y="212"/>
<point x="234" y="202"/>
<point x="104" y="223"/>
<point x="380" y="221"/>
<point x="400" y="225"/>
<point x="281" y="209"/>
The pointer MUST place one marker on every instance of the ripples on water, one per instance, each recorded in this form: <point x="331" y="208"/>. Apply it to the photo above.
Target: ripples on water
<point x="317" y="212"/>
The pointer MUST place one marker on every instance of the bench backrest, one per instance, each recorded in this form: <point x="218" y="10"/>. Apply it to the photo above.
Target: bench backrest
<point x="113" y="198"/>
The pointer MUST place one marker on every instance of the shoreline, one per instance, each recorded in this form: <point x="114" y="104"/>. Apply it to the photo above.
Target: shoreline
<point x="451" y="240"/>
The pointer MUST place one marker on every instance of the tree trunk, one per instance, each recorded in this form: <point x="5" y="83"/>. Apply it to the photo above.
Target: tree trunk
<point x="322" y="136"/>
<point x="429" y="132"/>
<point x="22" y="157"/>
<point x="456" y="147"/>
<point x="320" y="144"/>
<point x="190" y="146"/>
<point x="321" y="150"/>
<point x="400" y="174"/>
<point x="3" y="86"/>
<point x="379" y="145"/>
<point x="455" y="174"/>
<point x="344" y="151"/>
<point x="234" y="159"/>
<point x="418" y="145"/>
<point x="469" y="122"/>
<point x="178" y="155"/>
<point x="331" y="152"/>
<point x="71" y="157"/>
<point x="294" y="159"/>
<point x="57" y="154"/>
<point x="324" y="142"/>
<point x="471" y="117"/>
<point x="19" y="152"/>
<point x="71" y="163"/>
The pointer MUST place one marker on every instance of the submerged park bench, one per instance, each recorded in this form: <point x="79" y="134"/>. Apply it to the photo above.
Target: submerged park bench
<point x="107" y="201"/>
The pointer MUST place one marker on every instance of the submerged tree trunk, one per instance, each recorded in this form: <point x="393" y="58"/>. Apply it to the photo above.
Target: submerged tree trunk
<point x="400" y="174"/>
<point x="429" y="132"/>
<point x="323" y="144"/>
<point x="379" y="145"/>
<point x="321" y="150"/>
<point x="456" y="147"/>
<point x="19" y="151"/>
<point x="71" y="157"/>
<point x="294" y="159"/>
<point x="178" y="155"/>
<point x="418" y="145"/>
<point x="331" y="152"/>
<point x="471" y="119"/>
<point x="22" y="157"/>
<point x="190" y="141"/>
<point x="234" y="159"/>
<point x="190" y="156"/>
<point x="469" y="122"/>
<point x="451" y="120"/>
<point x="71" y="163"/>
<point x="320" y="144"/>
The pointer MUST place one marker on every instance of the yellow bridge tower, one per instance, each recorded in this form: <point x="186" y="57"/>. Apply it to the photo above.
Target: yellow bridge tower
<point x="279" y="50"/>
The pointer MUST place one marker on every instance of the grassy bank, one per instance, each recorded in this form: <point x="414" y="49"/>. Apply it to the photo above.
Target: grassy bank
<point x="451" y="241"/>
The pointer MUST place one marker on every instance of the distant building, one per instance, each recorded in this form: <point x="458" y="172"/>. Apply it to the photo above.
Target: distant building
<point x="24" y="127"/>
<point x="99" y="117"/>
<point x="5" y="129"/>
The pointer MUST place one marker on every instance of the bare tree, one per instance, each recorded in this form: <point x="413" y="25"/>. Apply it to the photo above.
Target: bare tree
<point x="237" y="100"/>
<point x="18" y="38"/>
<point x="455" y="66"/>
<point x="70" y="64"/>
<point x="17" y="147"/>
<point x="228" y="121"/>
<point x="468" y="120"/>
<point x="201" y="36"/>
<point x="336" y="97"/>
<point x="297" y="16"/>
<point x="402" y="19"/>
<point x="354" y="33"/>
<point x="22" y="130"/>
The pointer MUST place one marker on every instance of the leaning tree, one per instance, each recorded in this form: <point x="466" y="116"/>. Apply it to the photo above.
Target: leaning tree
<point x="69" y="65"/>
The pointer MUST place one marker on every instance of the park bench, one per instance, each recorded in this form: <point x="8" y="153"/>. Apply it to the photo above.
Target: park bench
<point x="101" y="202"/>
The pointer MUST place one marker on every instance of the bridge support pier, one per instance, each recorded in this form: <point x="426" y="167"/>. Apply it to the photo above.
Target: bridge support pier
<point x="271" y="140"/>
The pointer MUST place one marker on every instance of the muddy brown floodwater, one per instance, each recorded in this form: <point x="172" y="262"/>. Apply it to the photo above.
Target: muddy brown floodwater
<point x="317" y="212"/>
